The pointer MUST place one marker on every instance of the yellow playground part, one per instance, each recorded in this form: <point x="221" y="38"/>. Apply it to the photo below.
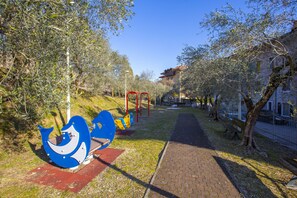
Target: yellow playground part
<point x="124" y="123"/>
<point x="127" y="120"/>
<point x="119" y="124"/>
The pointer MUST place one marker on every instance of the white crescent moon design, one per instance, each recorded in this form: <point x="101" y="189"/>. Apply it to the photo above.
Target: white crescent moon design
<point x="81" y="153"/>
<point x="68" y="148"/>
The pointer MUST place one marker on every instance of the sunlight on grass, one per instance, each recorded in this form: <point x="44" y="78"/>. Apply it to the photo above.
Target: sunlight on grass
<point x="127" y="177"/>
<point x="130" y="174"/>
<point x="255" y="175"/>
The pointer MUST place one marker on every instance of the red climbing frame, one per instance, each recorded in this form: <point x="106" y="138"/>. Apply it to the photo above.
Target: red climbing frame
<point x="127" y="97"/>
<point x="137" y="108"/>
<point x="148" y="103"/>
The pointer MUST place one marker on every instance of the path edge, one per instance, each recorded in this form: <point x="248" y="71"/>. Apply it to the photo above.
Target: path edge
<point x="147" y="191"/>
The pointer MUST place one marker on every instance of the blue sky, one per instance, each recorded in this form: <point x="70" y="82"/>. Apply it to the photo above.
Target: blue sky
<point x="160" y="29"/>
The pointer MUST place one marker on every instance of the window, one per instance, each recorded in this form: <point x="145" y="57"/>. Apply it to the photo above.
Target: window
<point x="279" y="108"/>
<point x="269" y="106"/>
<point x="286" y="109"/>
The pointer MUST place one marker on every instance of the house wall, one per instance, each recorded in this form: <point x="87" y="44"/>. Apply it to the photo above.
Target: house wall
<point x="282" y="98"/>
<point x="173" y="78"/>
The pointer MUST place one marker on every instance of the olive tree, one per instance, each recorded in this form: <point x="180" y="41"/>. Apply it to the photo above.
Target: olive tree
<point x="243" y="38"/>
<point x="34" y="37"/>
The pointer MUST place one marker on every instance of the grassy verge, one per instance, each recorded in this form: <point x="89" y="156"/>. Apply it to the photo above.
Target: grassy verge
<point x="127" y="177"/>
<point x="256" y="176"/>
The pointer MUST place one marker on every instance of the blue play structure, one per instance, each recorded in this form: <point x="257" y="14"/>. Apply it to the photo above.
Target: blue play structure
<point x="78" y="143"/>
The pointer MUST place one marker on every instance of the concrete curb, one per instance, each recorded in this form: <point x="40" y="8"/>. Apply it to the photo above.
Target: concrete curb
<point x="156" y="172"/>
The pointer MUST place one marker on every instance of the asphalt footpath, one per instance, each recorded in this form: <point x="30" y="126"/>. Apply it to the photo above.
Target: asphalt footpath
<point x="189" y="166"/>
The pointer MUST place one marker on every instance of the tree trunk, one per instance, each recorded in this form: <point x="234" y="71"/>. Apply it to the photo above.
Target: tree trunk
<point x="205" y="102"/>
<point x="201" y="102"/>
<point x="254" y="110"/>
<point x="216" y="108"/>
<point x="251" y="120"/>
<point x="210" y="101"/>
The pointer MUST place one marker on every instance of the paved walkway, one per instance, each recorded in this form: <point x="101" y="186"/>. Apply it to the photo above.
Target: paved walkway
<point x="188" y="167"/>
<point x="285" y="135"/>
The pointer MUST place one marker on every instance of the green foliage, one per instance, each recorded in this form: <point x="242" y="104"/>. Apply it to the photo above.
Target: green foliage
<point x="239" y="41"/>
<point x="34" y="36"/>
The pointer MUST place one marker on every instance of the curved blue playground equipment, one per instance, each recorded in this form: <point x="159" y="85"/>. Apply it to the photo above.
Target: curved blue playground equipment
<point x="106" y="130"/>
<point x="78" y="143"/>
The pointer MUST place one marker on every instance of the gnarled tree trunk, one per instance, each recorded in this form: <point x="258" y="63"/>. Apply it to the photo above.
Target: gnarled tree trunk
<point x="275" y="80"/>
<point x="251" y="120"/>
<point x="205" y="102"/>
<point x="214" y="109"/>
<point x="201" y="102"/>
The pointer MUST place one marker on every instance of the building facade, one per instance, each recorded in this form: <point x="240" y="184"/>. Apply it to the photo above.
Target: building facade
<point x="284" y="100"/>
<point x="173" y="77"/>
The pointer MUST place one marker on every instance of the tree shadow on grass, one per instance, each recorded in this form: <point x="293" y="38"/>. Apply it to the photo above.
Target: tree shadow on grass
<point x="120" y="110"/>
<point x="56" y="122"/>
<point x="138" y="181"/>
<point x="91" y="111"/>
<point x="182" y="133"/>
<point x="114" y="101"/>
<point x="276" y="183"/>
<point x="250" y="179"/>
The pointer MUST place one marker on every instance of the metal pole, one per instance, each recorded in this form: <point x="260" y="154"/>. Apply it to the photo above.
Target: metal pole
<point x="136" y="107"/>
<point x="68" y="104"/>
<point x="127" y="105"/>
<point x="126" y="89"/>
<point x="180" y="86"/>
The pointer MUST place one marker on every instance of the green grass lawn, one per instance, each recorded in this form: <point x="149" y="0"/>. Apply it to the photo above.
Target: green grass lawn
<point x="130" y="174"/>
<point x="255" y="175"/>
<point x="127" y="177"/>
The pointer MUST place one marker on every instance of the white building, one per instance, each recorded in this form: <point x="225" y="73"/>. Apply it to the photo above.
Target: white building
<point x="284" y="99"/>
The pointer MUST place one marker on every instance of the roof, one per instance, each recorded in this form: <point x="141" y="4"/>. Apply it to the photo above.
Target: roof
<point x="172" y="71"/>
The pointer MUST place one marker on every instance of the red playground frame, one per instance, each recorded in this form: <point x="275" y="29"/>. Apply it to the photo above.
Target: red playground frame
<point x="148" y="103"/>
<point x="138" y="109"/>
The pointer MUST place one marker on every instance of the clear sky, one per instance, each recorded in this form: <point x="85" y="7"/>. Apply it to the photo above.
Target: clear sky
<point x="160" y="29"/>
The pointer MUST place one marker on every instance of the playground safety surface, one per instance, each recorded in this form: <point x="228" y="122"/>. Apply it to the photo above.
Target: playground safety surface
<point x="63" y="179"/>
